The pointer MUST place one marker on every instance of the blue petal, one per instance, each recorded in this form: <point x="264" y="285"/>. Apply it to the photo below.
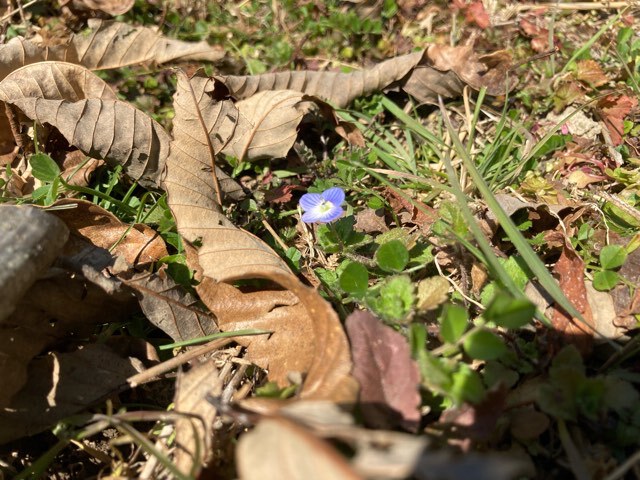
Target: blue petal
<point x="334" y="195"/>
<point x="318" y="216"/>
<point x="309" y="201"/>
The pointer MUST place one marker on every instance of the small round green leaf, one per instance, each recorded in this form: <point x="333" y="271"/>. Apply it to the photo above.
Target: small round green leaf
<point x="467" y="386"/>
<point x="354" y="279"/>
<point x="605" y="280"/>
<point x="508" y="312"/>
<point x="43" y="167"/>
<point x="454" y="323"/>
<point x="612" y="256"/>
<point x="484" y="345"/>
<point x="392" y="256"/>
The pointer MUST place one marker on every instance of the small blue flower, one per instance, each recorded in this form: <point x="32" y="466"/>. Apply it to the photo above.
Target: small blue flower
<point x="322" y="207"/>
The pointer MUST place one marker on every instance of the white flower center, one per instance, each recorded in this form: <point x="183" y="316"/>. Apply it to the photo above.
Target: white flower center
<point x="325" y="206"/>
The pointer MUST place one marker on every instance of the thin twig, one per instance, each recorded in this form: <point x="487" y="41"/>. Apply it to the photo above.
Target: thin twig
<point x="173" y="363"/>
<point x="18" y="10"/>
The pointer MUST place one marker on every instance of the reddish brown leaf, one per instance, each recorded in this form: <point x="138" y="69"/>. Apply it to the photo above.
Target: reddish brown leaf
<point x="613" y="110"/>
<point x="475" y="13"/>
<point x="388" y="376"/>
<point x="570" y="272"/>
<point x="590" y="72"/>
<point x="282" y="194"/>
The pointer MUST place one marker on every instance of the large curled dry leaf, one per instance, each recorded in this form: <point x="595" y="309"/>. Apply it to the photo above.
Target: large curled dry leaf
<point x="308" y="337"/>
<point x="201" y="127"/>
<point x="438" y="70"/>
<point x="115" y="44"/>
<point x="268" y="124"/>
<point x="107" y="45"/>
<point x="103" y="128"/>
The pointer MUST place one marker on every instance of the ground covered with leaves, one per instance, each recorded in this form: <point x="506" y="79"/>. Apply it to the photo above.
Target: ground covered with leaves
<point x="335" y="240"/>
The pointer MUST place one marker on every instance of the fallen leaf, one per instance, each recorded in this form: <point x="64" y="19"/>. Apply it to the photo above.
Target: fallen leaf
<point x="570" y="272"/>
<point x="278" y="448"/>
<point x="89" y="117"/>
<point x="138" y="244"/>
<point x="432" y="292"/>
<point x="110" y="7"/>
<point x="268" y="124"/>
<point x="194" y="428"/>
<point x="62" y="384"/>
<point x="369" y="220"/>
<point x="388" y="376"/>
<point x="307" y="336"/>
<point x="201" y="127"/>
<point x="475" y="13"/>
<point x="170" y="307"/>
<point x="114" y="44"/>
<point x="281" y="194"/>
<point x="526" y="423"/>
<point x="108" y="45"/>
<point x="590" y="72"/>
<point x="613" y="109"/>
<point x="438" y="70"/>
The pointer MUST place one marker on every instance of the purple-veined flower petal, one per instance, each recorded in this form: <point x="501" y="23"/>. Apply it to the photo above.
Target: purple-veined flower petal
<point x="322" y="207"/>
<point x="309" y="201"/>
<point x="334" y="195"/>
<point x="323" y="215"/>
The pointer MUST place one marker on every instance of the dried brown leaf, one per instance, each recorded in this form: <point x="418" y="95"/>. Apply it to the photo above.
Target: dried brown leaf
<point x="200" y="128"/>
<point x="387" y="374"/>
<point x="138" y="244"/>
<point x="171" y="308"/>
<point x="101" y="127"/>
<point x="194" y="428"/>
<point x="613" y="109"/>
<point x="62" y="384"/>
<point x="278" y="448"/>
<point x="307" y="336"/>
<point x="108" y="45"/>
<point x="114" y="44"/>
<point x="110" y="7"/>
<point x="438" y="70"/>
<point x="570" y="272"/>
<point x="271" y="124"/>
<point x="590" y="72"/>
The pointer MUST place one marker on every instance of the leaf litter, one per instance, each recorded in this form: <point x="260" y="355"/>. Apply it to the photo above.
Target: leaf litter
<point x="65" y="302"/>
